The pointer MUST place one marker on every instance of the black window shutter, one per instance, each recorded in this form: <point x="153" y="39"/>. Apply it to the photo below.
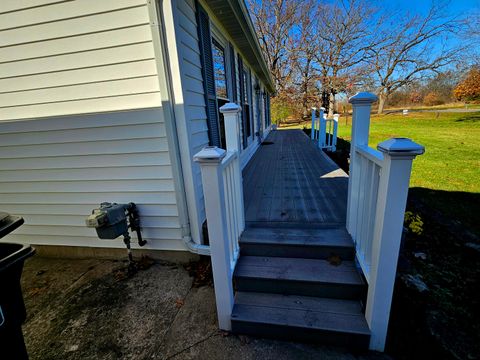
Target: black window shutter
<point x="268" y="110"/>
<point x="241" y="102"/>
<point x="205" y="40"/>
<point x="233" y="73"/>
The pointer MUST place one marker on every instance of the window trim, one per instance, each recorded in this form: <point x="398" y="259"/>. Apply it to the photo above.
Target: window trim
<point x="223" y="42"/>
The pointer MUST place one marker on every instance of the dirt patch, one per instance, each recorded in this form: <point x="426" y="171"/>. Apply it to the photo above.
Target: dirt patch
<point x="101" y="315"/>
<point x="201" y="272"/>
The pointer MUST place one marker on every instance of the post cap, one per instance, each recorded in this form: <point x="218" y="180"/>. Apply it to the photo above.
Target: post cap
<point x="401" y="147"/>
<point x="230" y="108"/>
<point x="363" y="98"/>
<point x="210" y="154"/>
<point x="322" y="108"/>
<point x="314" y="108"/>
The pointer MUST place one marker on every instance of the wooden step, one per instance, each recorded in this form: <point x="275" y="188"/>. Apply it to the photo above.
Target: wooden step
<point x="299" y="243"/>
<point x="327" y="321"/>
<point x="309" y="277"/>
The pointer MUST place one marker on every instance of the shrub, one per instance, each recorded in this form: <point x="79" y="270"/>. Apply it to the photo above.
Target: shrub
<point x="432" y="99"/>
<point x="469" y="88"/>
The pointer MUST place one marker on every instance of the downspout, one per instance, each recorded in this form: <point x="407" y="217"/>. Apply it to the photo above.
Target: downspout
<point x="187" y="239"/>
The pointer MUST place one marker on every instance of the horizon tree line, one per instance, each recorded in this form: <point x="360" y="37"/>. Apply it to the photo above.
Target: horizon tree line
<point x="318" y="50"/>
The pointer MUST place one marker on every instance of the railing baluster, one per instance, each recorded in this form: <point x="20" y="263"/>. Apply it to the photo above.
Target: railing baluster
<point x="321" y="128"/>
<point x="375" y="180"/>
<point x="235" y="233"/>
<point x="234" y="208"/>
<point x="361" y="197"/>
<point x="367" y="210"/>
<point x="335" y="129"/>
<point x="312" y="132"/>
<point x="330" y="121"/>
<point x="226" y="180"/>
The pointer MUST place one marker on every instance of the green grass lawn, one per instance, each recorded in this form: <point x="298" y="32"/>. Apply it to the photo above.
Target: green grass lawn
<point x="452" y="141"/>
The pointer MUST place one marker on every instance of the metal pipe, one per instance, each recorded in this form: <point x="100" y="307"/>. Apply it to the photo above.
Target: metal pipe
<point x="188" y="241"/>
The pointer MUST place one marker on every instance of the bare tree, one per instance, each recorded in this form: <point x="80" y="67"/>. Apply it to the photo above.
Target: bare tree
<point x="472" y="36"/>
<point x="410" y="49"/>
<point x="303" y="53"/>
<point x="473" y="25"/>
<point x="274" y="21"/>
<point x="344" y="40"/>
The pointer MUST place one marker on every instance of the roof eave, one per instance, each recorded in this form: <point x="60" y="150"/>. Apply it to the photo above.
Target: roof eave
<point x="236" y="20"/>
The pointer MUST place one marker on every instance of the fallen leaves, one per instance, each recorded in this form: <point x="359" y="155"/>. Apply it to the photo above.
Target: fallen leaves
<point x="201" y="271"/>
<point x="179" y="303"/>
<point x="334" y="260"/>
<point x="35" y="291"/>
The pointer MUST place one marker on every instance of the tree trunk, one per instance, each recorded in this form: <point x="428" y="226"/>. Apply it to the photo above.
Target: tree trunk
<point x="331" y="104"/>
<point x="382" y="98"/>
<point x="325" y="99"/>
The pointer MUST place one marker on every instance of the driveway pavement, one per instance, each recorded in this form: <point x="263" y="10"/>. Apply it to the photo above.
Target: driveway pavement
<point x="91" y="309"/>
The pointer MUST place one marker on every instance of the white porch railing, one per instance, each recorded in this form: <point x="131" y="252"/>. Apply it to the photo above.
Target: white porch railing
<point x="324" y="130"/>
<point x="223" y="192"/>
<point x="377" y="195"/>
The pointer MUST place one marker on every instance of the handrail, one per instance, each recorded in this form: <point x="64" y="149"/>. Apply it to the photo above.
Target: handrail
<point x="370" y="153"/>
<point x="230" y="156"/>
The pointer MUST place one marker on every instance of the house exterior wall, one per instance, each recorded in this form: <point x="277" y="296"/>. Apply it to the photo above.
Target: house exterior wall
<point x="194" y="102"/>
<point x="66" y="71"/>
<point x="75" y="57"/>
<point x="192" y="93"/>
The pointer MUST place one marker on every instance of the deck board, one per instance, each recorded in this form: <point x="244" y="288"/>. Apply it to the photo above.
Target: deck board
<point x="291" y="181"/>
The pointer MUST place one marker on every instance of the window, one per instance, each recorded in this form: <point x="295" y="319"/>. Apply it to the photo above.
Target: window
<point x="247" y="93"/>
<point x="221" y="91"/>
<point x="219" y="70"/>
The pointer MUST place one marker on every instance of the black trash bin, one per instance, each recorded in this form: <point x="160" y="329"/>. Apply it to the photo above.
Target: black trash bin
<point x="12" y="307"/>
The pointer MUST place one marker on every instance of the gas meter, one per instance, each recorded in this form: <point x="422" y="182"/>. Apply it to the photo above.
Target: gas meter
<point x="112" y="220"/>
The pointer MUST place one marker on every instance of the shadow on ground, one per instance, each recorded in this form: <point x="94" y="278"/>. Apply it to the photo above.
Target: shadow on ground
<point x="470" y="117"/>
<point x="88" y="309"/>
<point x="436" y="301"/>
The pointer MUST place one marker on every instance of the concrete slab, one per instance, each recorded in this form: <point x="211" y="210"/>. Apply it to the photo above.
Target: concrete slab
<point x="88" y="309"/>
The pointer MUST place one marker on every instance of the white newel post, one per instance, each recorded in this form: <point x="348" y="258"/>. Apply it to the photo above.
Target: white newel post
<point x="230" y="113"/>
<point x="312" y="133"/>
<point x="210" y="159"/>
<point x="335" y="131"/>
<point x="361" y="106"/>
<point x="392" y="197"/>
<point x="322" y="128"/>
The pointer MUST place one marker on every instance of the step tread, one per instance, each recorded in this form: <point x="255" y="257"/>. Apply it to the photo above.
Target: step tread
<point x="301" y="312"/>
<point x="305" y="237"/>
<point x="297" y="269"/>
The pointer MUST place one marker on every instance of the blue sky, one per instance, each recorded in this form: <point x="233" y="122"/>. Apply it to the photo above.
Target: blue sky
<point x="455" y="7"/>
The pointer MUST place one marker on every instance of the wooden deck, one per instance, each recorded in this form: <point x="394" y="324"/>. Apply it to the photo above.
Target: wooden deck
<point x="291" y="182"/>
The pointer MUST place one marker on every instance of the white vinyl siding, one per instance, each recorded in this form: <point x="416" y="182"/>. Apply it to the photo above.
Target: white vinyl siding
<point x="193" y="91"/>
<point x="53" y="172"/>
<point x="73" y="57"/>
